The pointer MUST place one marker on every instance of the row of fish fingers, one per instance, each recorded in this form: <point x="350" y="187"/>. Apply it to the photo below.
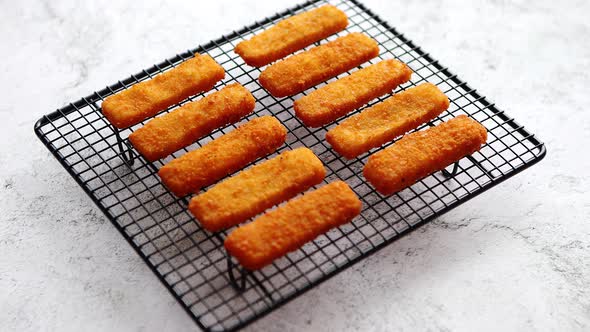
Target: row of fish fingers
<point x="254" y="190"/>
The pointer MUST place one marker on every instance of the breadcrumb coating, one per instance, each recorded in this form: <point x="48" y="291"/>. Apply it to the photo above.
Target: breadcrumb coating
<point x="256" y="189"/>
<point x="338" y="98"/>
<point x="419" y="154"/>
<point x="222" y="156"/>
<point x="290" y="226"/>
<point x="147" y="98"/>
<point x="168" y="133"/>
<point x="291" y="35"/>
<point x="306" y="69"/>
<point x="385" y="121"/>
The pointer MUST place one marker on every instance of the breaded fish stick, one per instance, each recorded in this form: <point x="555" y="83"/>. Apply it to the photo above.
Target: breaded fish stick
<point x="147" y="98"/>
<point x="164" y="135"/>
<point x="422" y="153"/>
<point x="290" y="226"/>
<point x="336" y="99"/>
<point x="256" y="189"/>
<point x="224" y="155"/>
<point x="304" y="70"/>
<point x="291" y="35"/>
<point x="385" y="121"/>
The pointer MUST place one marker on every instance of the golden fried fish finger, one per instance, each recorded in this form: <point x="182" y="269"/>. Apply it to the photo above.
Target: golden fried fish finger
<point x="164" y="135"/>
<point x="419" y="154"/>
<point x="291" y="34"/>
<point x="222" y="156"/>
<point x="336" y="99"/>
<point x="306" y="69"/>
<point x="256" y="189"/>
<point x="147" y="98"/>
<point x="385" y="121"/>
<point x="290" y="226"/>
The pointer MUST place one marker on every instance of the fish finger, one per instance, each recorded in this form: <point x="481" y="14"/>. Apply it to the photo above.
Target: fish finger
<point x="256" y="189"/>
<point x="419" y="154"/>
<point x="290" y="226"/>
<point x="291" y="34"/>
<point x="336" y="99"/>
<point x="147" y="98"/>
<point x="222" y="156"/>
<point x="385" y="121"/>
<point x="306" y="69"/>
<point x="168" y="133"/>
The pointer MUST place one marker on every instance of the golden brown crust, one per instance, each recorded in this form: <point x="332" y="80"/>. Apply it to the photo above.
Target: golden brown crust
<point x="222" y="156"/>
<point x="147" y="98"/>
<point x="291" y="35"/>
<point x="256" y="189"/>
<point x="306" y="69"/>
<point x="168" y="133"/>
<point x="336" y="99"/>
<point x="290" y="226"/>
<point x="422" y="153"/>
<point x="385" y="121"/>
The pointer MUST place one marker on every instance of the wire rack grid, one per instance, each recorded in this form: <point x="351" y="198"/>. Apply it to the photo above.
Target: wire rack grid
<point x="191" y="262"/>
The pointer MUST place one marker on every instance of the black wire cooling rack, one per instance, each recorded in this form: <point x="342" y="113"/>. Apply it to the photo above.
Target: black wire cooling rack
<point x="192" y="262"/>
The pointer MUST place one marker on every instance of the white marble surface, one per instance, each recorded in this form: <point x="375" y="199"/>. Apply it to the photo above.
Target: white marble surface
<point x="515" y="258"/>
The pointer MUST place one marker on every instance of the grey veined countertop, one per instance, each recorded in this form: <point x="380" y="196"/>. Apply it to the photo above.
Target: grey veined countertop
<point x="515" y="258"/>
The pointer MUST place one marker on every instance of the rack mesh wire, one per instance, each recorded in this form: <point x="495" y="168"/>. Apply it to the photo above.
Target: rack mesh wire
<point x="191" y="262"/>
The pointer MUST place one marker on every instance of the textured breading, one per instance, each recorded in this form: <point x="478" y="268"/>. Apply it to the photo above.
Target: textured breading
<point x="385" y="121"/>
<point x="290" y="226"/>
<point x="164" y="135"/>
<point x="336" y="99"/>
<point x="291" y="34"/>
<point x="256" y="189"/>
<point x="224" y="155"/>
<point x="419" y="154"/>
<point x="306" y="69"/>
<point x="147" y="98"/>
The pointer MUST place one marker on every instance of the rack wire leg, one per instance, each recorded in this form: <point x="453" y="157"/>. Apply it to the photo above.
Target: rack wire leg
<point x="452" y="172"/>
<point x="125" y="151"/>
<point x="241" y="285"/>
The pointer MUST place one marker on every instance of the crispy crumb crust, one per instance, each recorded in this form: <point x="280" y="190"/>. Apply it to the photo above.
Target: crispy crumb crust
<point x="336" y="99"/>
<point x="291" y="35"/>
<point x="422" y="153"/>
<point x="290" y="226"/>
<point x="147" y="98"/>
<point x="168" y="133"/>
<point x="385" y="121"/>
<point x="306" y="69"/>
<point x="256" y="189"/>
<point x="224" y="155"/>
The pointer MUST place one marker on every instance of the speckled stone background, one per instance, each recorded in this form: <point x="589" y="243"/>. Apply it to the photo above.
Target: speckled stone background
<point x="515" y="258"/>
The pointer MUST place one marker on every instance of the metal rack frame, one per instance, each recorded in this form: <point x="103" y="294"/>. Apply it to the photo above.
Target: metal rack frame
<point x="191" y="262"/>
